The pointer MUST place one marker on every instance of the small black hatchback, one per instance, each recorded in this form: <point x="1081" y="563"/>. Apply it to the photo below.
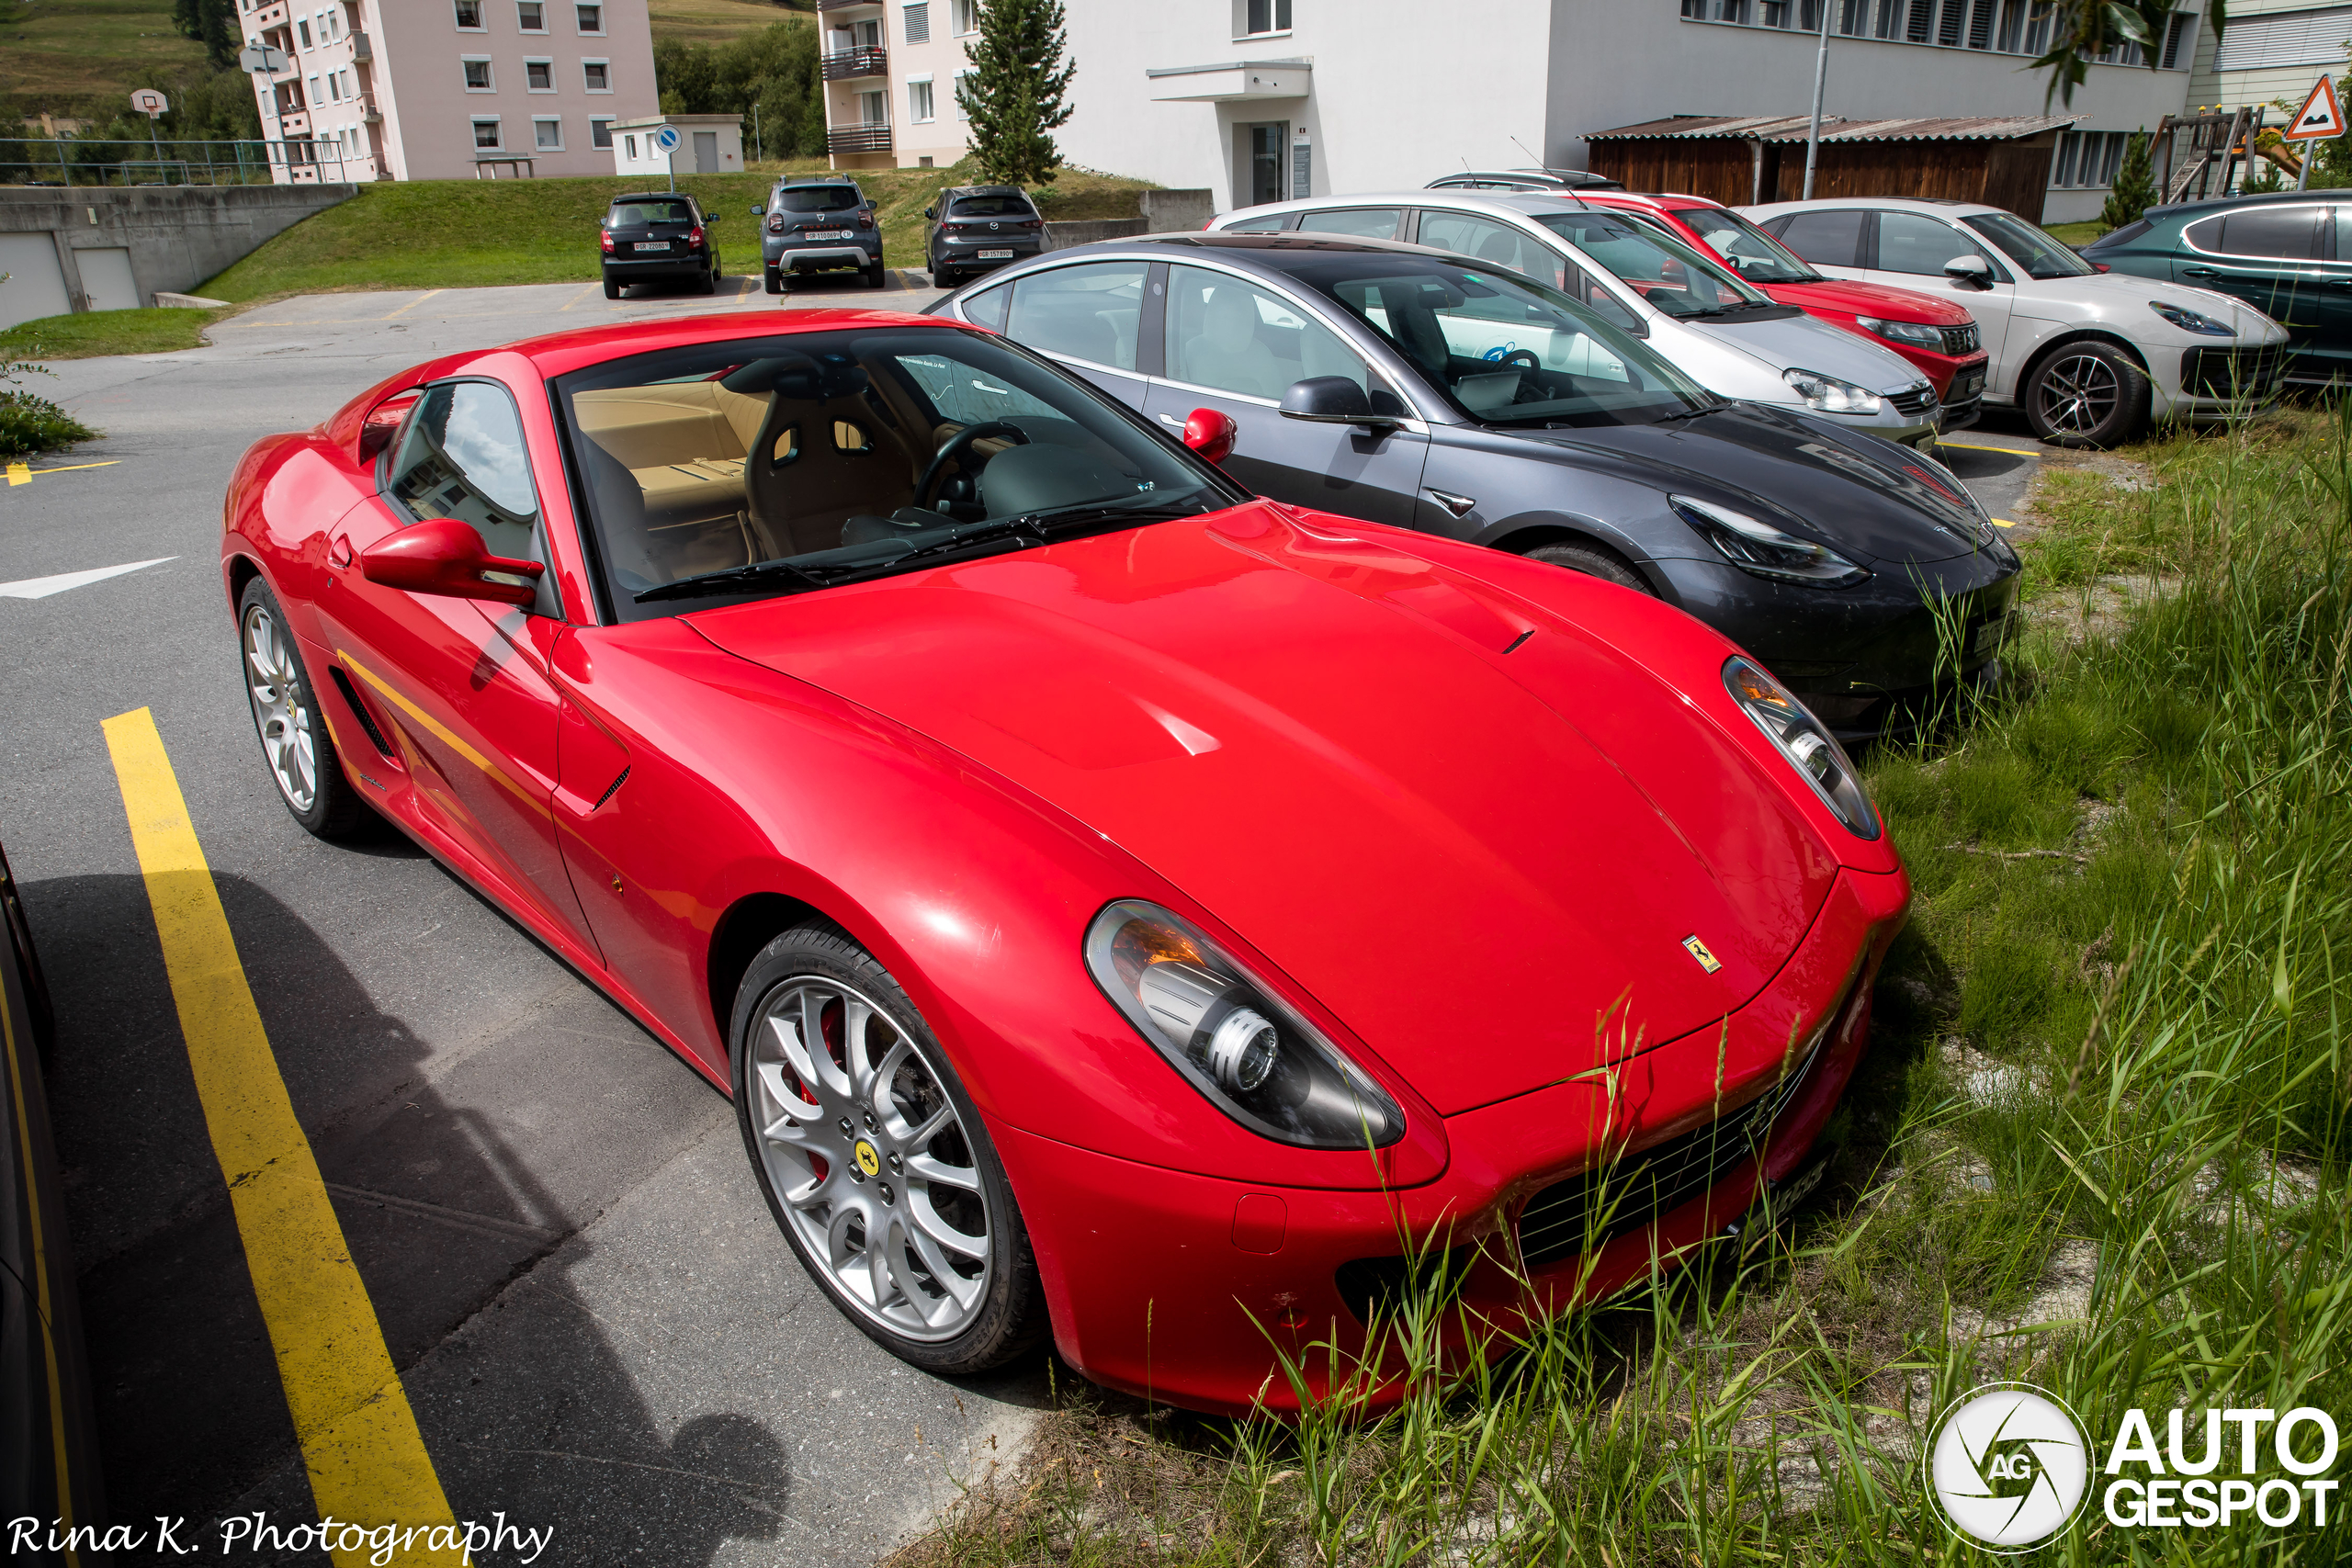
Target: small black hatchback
<point x="658" y="236"/>
<point x="975" y="229"/>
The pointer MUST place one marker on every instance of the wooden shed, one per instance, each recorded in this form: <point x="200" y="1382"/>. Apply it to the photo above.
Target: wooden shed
<point x="1740" y="160"/>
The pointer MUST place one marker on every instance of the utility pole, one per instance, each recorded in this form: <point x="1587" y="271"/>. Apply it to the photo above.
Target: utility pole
<point x="759" y="149"/>
<point x="1820" y="82"/>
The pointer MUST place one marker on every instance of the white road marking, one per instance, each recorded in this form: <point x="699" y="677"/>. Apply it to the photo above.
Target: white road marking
<point x="42" y="587"/>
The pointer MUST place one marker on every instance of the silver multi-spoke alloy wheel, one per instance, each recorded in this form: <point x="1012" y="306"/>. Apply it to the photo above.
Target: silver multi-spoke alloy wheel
<point x="2077" y="394"/>
<point x="280" y="711"/>
<point x="868" y="1158"/>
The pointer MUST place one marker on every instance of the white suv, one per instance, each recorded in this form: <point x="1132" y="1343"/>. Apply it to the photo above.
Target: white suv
<point x="2090" y="355"/>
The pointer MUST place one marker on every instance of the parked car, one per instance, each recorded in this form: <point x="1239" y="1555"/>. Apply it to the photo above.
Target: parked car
<point x="1936" y="335"/>
<point x="1732" y="338"/>
<point x="975" y="229"/>
<point x="48" y="1433"/>
<point x="2284" y="255"/>
<point x="654" y="236"/>
<point x="1526" y="179"/>
<point x="815" y="225"/>
<point x="1388" y="382"/>
<point x="1070" y="888"/>
<point x="2090" y="358"/>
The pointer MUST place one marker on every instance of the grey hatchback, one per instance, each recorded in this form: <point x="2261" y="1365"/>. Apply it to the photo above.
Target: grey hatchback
<point x="816" y="224"/>
<point x="1407" y="386"/>
<point x="981" y="228"/>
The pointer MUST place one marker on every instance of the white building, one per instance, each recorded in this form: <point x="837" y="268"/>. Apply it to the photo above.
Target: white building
<point x="450" y="89"/>
<point x="1261" y="100"/>
<point x="708" y="144"/>
<point x="2273" y="50"/>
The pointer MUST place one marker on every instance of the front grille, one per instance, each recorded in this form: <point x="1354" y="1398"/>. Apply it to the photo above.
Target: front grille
<point x="2232" y="372"/>
<point x="1596" y="1206"/>
<point x="1961" y="340"/>
<point x="1914" y="402"/>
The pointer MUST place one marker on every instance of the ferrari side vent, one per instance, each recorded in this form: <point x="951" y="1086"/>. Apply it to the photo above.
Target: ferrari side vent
<point x="359" y="710"/>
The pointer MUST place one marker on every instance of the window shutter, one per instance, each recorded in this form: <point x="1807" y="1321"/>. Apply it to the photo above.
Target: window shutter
<point x="2291" y="38"/>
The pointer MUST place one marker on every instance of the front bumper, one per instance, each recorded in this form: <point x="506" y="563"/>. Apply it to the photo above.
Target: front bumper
<point x="1184" y="1288"/>
<point x="1907" y="425"/>
<point x="2226" y="377"/>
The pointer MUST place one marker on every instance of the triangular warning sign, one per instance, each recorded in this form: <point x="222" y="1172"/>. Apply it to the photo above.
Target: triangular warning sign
<point x="2321" y="117"/>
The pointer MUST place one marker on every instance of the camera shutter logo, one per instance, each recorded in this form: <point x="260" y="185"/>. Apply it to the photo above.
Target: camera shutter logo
<point x="2009" y="1466"/>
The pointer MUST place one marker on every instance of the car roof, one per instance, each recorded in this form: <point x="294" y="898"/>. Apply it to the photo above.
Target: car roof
<point x="652" y="196"/>
<point x="984" y="190"/>
<point x="1664" y="201"/>
<point x="2225" y="203"/>
<point x="1566" y="179"/>
<point x="784" y="182"/>
<point x="1268" y="252"/>
<point x="1941" y="205"/>
<point x="1526" y="203"/>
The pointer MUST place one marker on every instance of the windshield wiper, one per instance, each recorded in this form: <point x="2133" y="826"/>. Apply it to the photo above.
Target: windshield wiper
<point x="1691" y="413"/>
<point x="733" y="577"/>
<point x="1042" y="527"/>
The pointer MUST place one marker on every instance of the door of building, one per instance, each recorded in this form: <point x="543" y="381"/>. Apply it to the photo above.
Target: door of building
<point x="706" y="151"/>
<point x="1264" y="147"/>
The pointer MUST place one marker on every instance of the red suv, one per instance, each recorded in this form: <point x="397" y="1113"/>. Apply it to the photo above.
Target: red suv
<point x="1936" y="335"/>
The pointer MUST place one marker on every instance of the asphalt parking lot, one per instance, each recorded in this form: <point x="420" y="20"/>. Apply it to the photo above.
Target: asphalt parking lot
<point x="595" y="1322"/>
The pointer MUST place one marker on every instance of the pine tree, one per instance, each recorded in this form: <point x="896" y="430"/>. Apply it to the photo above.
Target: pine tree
<point x="2135" y="186"/>
<point x="1013" y="94"/>
<point x="213" y="23"/>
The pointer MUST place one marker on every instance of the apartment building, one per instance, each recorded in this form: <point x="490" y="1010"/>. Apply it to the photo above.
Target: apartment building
<point x="1262" y="100"/>
<point x="2273" y="50"/>
<point x="450" y="89"/>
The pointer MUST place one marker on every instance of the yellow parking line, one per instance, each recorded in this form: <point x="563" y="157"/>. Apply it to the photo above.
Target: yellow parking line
<point x="360" y="1442"/>
<point x="416" y="302"/>
<point x="1980" y="446"/>
<point x="18" y="474"/>
<point x="21" y="474"/>
<point x="2003" y="522"/>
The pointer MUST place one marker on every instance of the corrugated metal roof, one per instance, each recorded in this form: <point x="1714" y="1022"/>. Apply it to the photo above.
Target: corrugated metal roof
<point x="1797" y="127"/>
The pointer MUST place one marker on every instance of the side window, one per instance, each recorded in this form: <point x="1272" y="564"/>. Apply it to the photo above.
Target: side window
<point x="462" y="456"/>
<point x="1497" y="245"/>
<point x="1087" y="312"/>
<point x="1228" y="336"/>
<point x="1910" y="244"/>
<point x="1359" y="223"/>
<point x="1272" y="225"/>
<point x="987" y="307"/>
<point x="2289" y="234"/>
<point x="1826" y="239"/>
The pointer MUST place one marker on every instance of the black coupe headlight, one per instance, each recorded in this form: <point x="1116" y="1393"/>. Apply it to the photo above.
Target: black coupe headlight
<point x="1758" y="548"/>
<point x="1256" y="1060"/>
<point x="1804" y="741"/>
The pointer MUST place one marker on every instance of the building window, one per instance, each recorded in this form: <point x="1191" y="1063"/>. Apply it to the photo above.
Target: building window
<point x="874" y="108"/>
<point x="538" y="76"/>
<point x="531" y="16"/>
<point x="2179" y="46"/>
<point x="316" y="96"/>
<point x="959" y="92"/>
<point x="2087" y="159"/>
<point x="469" y="15"/>
<point x="1264" y="17"/>
<point x="597" y="75"/>
<point x="918" y="23"/>
<point x="547" y="134"/>
<point x="600" y="133"/>
<point x="629" y="145"/>
<point x="303" y="30"/>
<point x="591" y="19"/>
<point x="486" y="134"/>
<point x="966" y="16"/>
<point x="478" y="79"/>
<point x="919" y="100"/>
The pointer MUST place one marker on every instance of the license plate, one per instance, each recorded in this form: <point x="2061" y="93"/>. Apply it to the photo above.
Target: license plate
<point x="653" y="244"/>
<point x="996" y="255"/>
<point x="1969" y="387"/>
<point x="826" y="234"/>
<point x="1988" y="636"/>
<point x="1799" y="1186"/>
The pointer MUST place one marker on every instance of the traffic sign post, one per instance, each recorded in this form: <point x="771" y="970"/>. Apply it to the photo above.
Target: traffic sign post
<point x="666" y="140"/>
<point x="2320" y="119"/>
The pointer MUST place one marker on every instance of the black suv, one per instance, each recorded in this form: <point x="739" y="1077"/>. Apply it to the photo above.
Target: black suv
<point x="984" y="227"/>
<point x="658" y="235"/>
<point x="814" y="224"/>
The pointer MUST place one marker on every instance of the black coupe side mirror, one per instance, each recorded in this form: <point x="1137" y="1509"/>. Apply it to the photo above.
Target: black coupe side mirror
<point x="1974" y="271"/>
<point x="1333" y="400"/>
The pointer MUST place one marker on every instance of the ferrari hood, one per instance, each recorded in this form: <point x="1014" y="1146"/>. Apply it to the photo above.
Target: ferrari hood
<point x="1880" y="299"/>
<point x="1385" y="776"/>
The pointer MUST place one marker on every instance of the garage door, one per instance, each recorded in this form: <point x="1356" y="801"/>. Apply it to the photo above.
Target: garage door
<point x="108" y="280"/>
<point x="36" y="286"/>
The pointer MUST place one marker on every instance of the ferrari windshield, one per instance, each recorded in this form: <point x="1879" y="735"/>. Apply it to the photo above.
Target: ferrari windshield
<point x="761" y="466"/>
<point x="1745" y="249"/>
<point x="1502" y="348"/>
<point x="1669" y="274"/>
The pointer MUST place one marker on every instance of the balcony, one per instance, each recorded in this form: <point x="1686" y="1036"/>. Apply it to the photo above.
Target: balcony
<point x="846" y="4"/>
<point x="362" y="51"/>
<point x="369" y="113"/>
<point x="842" y="64"/>
<point x="294" y="123"/>
<point x="858" y="138"/>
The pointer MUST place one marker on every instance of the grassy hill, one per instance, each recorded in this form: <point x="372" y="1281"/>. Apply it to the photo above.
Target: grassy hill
<point x="720" y="21"/>
<point x="461" y="233"/>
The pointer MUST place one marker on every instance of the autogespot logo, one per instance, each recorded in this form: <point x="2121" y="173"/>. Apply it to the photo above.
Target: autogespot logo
<point x="2009" y="1466"/>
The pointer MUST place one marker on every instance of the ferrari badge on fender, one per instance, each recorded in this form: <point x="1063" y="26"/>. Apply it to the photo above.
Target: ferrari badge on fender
<point x="1707" y="961"/>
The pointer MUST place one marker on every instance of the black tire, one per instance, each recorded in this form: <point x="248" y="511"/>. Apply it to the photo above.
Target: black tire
<point x="336" y="809"/>
<point x="612" y="289"/>
<point x="1009" y="1318"/>
<point x="943" y="277"/>
<point x="876" y="275"/>
<point x="1593" y="561"/>
<point x="775" y="281"/>
<point x="708" y="282"/>
<point x="2086" y="394"/>
<point x="784" y="281"/>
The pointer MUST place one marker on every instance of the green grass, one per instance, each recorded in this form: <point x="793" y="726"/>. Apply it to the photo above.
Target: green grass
<point x="61" y="50"/>
<point x="94" y="332"/>
<point x="469" y="233"/>
<point x="719" y="21"/>
<point x="2118" y="1017"/>
<point x="2076" y="233"/>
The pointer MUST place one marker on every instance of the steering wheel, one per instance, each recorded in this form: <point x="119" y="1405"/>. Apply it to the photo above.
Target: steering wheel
<point x="960" y="442"/>
<point x="1521" y="356"/>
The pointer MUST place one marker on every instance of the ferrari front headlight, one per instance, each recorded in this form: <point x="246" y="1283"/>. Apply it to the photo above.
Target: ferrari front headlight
<point x="1254" y="1058"/>
<point x="1790" y="726"/>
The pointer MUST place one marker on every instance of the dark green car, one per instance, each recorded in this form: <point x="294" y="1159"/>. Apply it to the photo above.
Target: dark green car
<point x="2288" y="254"/>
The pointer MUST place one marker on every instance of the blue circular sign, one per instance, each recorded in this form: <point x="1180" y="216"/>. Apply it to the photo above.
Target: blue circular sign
<point x="667" y="139"/>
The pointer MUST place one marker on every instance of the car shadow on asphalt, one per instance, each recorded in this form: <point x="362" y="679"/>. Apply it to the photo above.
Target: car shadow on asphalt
<point x="441" y="1215"/>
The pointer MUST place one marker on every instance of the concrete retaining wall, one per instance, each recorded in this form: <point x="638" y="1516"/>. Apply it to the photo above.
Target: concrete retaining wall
<point x="1164" y="213"/>
<point x="112" y="248"/>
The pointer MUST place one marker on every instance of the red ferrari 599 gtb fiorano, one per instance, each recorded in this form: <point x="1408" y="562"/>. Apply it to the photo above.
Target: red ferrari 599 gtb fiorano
<point x="1114" y="902"/>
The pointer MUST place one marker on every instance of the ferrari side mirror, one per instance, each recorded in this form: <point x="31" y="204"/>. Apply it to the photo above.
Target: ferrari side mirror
<point x="446" y="557"/>
<point x="1211" y="434"/>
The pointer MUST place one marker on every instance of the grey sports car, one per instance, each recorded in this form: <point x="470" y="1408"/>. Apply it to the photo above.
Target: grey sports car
<point x="1406" y="385"/>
